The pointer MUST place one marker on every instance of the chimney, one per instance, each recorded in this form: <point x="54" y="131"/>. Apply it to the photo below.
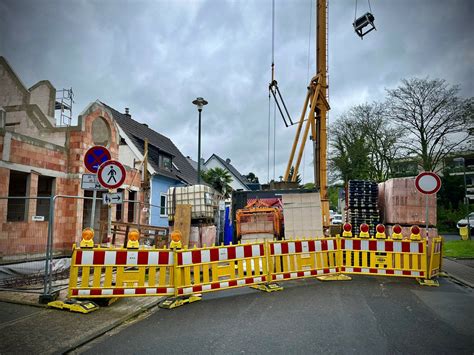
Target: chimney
<point x="227" y="161"/>
<point x="127" y="112"/>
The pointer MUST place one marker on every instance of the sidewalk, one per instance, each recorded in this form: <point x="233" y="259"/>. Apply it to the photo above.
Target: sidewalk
<point x="459" y="270"/>
<point x="38" y="329"/>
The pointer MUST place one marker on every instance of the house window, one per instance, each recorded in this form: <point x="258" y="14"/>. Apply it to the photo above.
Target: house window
<point x="163" y="203"/>
<point x="165" y="162"/>
<point x="131" y="205"/>
<point x="17" y="208"/>
<point x="45" y="189"/>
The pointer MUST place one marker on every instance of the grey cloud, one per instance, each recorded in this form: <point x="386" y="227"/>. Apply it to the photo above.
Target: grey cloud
<point x="157" y="56"/>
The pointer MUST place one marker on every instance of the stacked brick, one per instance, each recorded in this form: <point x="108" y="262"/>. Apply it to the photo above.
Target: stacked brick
<point x="401" y="203"/>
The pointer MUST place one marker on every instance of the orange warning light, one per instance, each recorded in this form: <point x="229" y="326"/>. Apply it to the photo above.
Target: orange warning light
<point x="133" y="237"/>
<point x="87" y="238"/>
<point x="176" y="239"/>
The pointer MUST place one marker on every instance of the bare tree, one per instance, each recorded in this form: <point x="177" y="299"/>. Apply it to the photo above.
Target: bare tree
<point x="434" y="119"/>
<point x="363" y="144"/>
<point x="381" y="136"/>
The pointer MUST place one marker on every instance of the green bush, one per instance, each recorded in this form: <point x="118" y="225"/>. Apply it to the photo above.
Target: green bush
<point x="448" y="218"/>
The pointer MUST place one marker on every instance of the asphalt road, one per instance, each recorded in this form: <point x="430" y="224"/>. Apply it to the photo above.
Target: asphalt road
<point x="451" y="236"/>
<point x="365" y="315"/>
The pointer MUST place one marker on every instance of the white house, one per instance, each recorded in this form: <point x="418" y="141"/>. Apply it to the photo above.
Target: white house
<point x="239" y="182"/>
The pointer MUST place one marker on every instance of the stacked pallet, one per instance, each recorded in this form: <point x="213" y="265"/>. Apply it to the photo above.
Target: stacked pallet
<point x="361" y="202"/>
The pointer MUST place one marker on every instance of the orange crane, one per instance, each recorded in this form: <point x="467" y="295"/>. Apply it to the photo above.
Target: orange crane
<point x="317" y="102"/>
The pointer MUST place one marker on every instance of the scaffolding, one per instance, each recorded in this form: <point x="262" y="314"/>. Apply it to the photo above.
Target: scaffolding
<point x="63" y="107"/>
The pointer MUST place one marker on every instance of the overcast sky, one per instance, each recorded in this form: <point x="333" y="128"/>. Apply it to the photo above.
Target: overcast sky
<point x="155" y="57"/>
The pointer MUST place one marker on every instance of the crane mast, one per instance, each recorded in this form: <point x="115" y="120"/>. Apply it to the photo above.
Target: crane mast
<point x="316" y="100"/>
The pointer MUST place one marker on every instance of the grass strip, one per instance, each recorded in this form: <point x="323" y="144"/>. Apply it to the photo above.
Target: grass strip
<point x="459" y="248"/>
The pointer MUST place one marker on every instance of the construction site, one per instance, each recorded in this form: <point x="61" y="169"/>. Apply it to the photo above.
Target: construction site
<point x="103" y="216"/>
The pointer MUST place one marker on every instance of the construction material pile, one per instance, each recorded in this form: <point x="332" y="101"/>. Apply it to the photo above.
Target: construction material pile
<point x="361" y="202"/>
<point x="203" y="200"/>
<point x="401" y="203"/>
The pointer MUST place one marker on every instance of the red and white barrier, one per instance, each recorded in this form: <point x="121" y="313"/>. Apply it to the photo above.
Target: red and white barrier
<point x="139" y="291"/>
<point x="221" y="285"/>
<point x="383" y="246"/>
<point x="304" y="246"/>
<point x="123" y="257"/>
<point x="220" y="254"/>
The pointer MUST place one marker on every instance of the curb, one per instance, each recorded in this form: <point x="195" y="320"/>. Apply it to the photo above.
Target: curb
<point x="459" y="280"/>
<point x="456" y="278"/>
<point x="24" y="303"/>
<point x="108" y="328"/>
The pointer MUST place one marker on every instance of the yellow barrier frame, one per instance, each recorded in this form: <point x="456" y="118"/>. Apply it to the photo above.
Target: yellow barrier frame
<point x="295" y="259"/>
<point x="387" y="257"/>
<point x="119" y="272"/>
<point x="219" y="267"/>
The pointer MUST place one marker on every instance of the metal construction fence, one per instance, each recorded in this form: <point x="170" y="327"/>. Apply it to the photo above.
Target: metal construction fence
<point x="37" y="235"/>
<point x="121" y="272"/>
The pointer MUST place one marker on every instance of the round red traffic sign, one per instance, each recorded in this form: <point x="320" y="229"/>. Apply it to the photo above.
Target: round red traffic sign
<point x="111" y="174"/>
<point x="95" y="156"/>
<point x="428" y="183"/>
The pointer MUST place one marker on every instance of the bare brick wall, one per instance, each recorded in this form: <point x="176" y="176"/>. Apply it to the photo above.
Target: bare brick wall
<point x="30" y="237"/>
<point x="80" y="141"/>
<point x="34" y="156"/>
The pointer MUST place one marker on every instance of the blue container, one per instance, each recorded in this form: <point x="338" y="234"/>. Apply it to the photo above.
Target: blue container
<point x="228" y="227"/>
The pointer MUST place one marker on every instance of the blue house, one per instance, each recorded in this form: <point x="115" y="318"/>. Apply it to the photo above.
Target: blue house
<point x="166" y="165"/>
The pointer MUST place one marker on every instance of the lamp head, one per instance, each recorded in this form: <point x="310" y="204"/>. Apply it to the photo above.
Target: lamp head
<point x="200" y="103"/>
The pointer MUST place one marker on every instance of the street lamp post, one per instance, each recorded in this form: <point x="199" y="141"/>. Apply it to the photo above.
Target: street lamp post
<point x="200" y="103"/>
<point x="466" y="198"/>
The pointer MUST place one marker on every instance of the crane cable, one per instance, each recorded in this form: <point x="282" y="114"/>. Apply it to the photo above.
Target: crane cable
<point x="273" y="40"/>
<point x="268" y="139"/>
<point x="273" y="73"/>
<point x="269" y="102"/>
<point x="355" y="12"/>
<point x="274" y="138"/>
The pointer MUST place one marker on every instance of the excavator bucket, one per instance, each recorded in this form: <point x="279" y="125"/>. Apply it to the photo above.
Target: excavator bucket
<point x="362" y="22"/>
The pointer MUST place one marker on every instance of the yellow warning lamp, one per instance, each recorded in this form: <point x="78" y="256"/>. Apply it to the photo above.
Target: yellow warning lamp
<point x="380" y="232"/>
<point x="176" y="240"/>
<point x="415" y="233"/>
<point x="87" y="238"/>
<point x="347" y="230"/>
<point x="364" y="231"/>
<point x="133" y="237"/>
<point x="397" y="232"/>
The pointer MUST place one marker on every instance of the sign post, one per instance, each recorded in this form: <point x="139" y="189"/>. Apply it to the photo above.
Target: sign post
<point x="93" y="158"/>
<point x="111" y="175"/>
<point x="427" y="183"/>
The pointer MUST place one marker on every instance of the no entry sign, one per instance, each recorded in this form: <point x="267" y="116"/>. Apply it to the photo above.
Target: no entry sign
<point x="428" y="183"/>
<point x="95" y="156"/>
<point x="111" y="174"/>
